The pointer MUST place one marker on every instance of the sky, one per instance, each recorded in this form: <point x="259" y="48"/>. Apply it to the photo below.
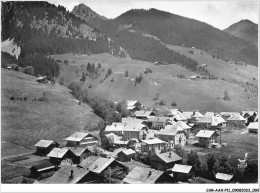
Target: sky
<point x="220" y="14"/>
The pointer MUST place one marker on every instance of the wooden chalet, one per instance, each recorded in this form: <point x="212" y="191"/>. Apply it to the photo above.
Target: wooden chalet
<point x="81" y="139"/>
<point x="43" y="147"/>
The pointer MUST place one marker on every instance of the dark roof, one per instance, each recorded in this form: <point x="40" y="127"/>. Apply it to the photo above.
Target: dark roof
<point x="62" y="176"/>
<point x="132" y="164"/>
<point x="141" y="175"/>
<point x="42" y="165"/>
<point x="168" y="157"/>
<point x="78" y="151"/>
<point x="88" y="161"/>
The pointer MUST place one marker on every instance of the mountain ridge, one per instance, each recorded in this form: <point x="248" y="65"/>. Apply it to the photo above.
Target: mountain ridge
<point x="244" y="29"/>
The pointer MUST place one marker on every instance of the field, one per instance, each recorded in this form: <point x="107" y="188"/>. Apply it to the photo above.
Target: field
<point x="24" y="122"/>
<point x="200" y="94"/>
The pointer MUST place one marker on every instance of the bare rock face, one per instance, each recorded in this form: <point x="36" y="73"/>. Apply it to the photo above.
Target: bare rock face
<point x="84" y="12"/>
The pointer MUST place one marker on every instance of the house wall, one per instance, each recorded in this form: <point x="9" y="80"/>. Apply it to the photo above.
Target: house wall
<point x="131" y="134"/>
<point x="180" y="139"/>
<point x="155" y="148"/>
<point x="72" y="143"/>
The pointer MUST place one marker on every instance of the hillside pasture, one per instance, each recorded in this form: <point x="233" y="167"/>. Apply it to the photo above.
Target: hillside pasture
<point x="24" y="122"/>
<point x="204" y="95"/>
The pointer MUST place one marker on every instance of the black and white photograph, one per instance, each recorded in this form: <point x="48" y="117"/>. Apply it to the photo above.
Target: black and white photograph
<point x="113" y="92"/>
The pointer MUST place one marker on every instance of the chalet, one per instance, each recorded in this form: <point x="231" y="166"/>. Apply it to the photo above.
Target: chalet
<point x="71" y="175"/>
<point x="59" y="154"/>
<point x="194" y="77"/>
<point x="184" y="126"/>
<point x="43" y="147"/>
<point x="140" y="175"/>
<point x="126" y="155"/>
<point x="218" y="122"/>
<point x="207" y="138"/>
<point x="41" y="167"/>
<point x="81" y="139"/>
<point x="143" y="114"/>
<point x="42" y="79"/>
<point x="253" y="127"/>
<point x="9" y="67"/>
<point x="173" y="134"/>
<point x="176" y="115"/>
<point x="88" y="161"/>
<point x="192" y="116"/>
<point x="156" y="122"/>
<point x="132" y="120"/>
<point x="133" y="105"/>
<point x="153" y="145"/>
<point x="104" y="166"/>
<point x="223" y="178"/>
<point x="134" y="131"/>
<point x="132" y="164"/>
<point x="211" y="120"/>
<point x="236" y="120"/>
<point x="164" y="161"/>
<point x="80" y="152"/>
<point x="116" y="128"/>
<point x="182" y="172"/>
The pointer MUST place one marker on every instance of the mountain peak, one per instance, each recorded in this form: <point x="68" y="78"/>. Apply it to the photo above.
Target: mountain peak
<point x="86" y="13"/>
<point x="244" y="29"/>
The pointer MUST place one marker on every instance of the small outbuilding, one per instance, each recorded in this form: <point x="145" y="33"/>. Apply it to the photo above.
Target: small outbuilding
<point x="164" y="161"/>
<point x="182" y="172"/>
<point x="253" y="127"/>
<point x="43" y="147"/>
<point x="61" y="154"/>
<point x="224" y="178"/>
<point x="80" y="152"/>
<point x="126" y="155"/>
<point x="41" y="167"/>
<point x="207" y="138"/>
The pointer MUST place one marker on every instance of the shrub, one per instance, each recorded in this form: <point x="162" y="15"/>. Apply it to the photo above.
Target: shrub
<point x="61" y="81"/>
<point x="156" y="96"/>
<point x="162" y="102"/>
<point x="226" y="95"/>
<point x="29" y="70"/>
<point x="126" y="74"/>
<point x="112" y="80"/>
<point x="90" y="86"/>
<point x="253" y="78"/>
<point x="191" y="51"/>
<point x="66" y="62"/>
<point x="174" y="104"/>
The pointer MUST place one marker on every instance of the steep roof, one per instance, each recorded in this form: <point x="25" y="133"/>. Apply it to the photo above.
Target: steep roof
<point x="170" y="130"/>
<point x="115" y="127"/>
<point x="140" y="175"/>
<point x="189" y="114"/>
<point x="157" y="119"/>
<point x="183" y="125"/>
<point x="134" y="127"/>
<point x="168" y="157"/>
<point x="222" y="176"/>
<point x="78" y="151"/>
<point x="236" y="117"/>
<point x="175" y="113"/>
<point x="181" y="168"/>
<point x="205" y="133"/>
<point x="58" y="152"/>
<point x="77" y="136"/>
<point x="217" y="120"/>
<point x="153" y="141"/>
<point x="62" y="176"/>
<point x="88" y="161"/>
<point x="100" y="164"/>
<point x="207" y="118"/>
<point x="143" y="113"/>
<point x="44" y="143"/>
<point x="128" y="151"/>
<point x="130" y="103"/>
<point x="130" y="120"/>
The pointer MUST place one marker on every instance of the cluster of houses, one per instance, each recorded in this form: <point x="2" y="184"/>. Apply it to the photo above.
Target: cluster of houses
<point x="144" y="148"/>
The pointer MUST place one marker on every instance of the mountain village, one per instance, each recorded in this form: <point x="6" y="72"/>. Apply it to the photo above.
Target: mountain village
<point x="143" y="149"/>
<point x="136" y="99"/>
